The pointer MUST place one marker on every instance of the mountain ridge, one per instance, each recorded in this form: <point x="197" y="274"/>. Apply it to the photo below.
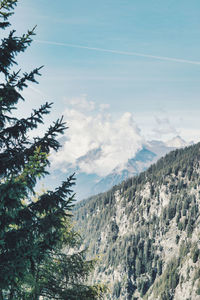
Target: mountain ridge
<point x="150" y="152"/>
<point x="91" y="183"/>
<point x="147" y="230"/>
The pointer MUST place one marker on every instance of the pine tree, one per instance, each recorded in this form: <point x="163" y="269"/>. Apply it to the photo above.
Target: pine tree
<point x="33" y="233"/>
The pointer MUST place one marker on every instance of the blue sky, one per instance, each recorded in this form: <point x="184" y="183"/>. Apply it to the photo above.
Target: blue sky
<point x="162" y="95"/>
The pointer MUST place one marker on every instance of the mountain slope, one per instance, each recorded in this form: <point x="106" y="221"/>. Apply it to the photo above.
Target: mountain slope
<point x="146" y="231"/>
<point x="140" y="162"/>
<point x="90" y="182"/>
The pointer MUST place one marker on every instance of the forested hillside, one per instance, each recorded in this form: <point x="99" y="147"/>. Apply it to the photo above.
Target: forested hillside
<point x="146" y="231"/>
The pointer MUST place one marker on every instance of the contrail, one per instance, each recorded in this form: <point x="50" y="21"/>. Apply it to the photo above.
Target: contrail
<point x="120" y="52"/>
<point x="37" y="90"/>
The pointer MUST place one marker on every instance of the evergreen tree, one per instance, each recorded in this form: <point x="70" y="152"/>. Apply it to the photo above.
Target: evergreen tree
<point x="33" y="233"/>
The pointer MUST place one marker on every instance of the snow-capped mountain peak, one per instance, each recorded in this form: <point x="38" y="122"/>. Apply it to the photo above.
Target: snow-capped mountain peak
<point x="176" y="142"/>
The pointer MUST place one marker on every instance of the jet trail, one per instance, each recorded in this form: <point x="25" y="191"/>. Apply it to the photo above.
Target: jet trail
<point x="165" y="58"/>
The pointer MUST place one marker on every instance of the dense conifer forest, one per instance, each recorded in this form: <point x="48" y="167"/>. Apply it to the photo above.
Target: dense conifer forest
<point x="146" y="231"/>
<point x="139" y="240"/>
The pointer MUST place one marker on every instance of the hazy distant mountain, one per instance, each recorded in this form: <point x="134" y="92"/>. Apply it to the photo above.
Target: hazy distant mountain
<point x="140" y="162"/>
<point x="176" y="142"/>
<point x="149" y="154"/>
<point x="88" y="184"/>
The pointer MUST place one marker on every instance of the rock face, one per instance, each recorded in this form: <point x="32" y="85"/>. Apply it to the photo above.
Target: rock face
<point x="146" y="231"/>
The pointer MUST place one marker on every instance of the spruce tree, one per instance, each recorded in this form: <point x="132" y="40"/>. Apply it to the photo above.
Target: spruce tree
<point x="33" y="232"/>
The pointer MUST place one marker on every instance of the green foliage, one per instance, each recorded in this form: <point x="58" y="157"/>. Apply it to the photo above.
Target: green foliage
<point x="195" y="253"/>
<point x="184" y="249"/>
<point x="159" y="267"/>
<point x="166" y="285"/>
<point x="33" y="230"/>
<point x="177" y="238"/>
<point x="135" y="245"/>
<point x="143" y="286"/>
<point x="198" y="288"/>
<point x="117" y="289"/>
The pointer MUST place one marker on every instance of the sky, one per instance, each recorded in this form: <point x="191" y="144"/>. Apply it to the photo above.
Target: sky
<point x="121" y="73"/>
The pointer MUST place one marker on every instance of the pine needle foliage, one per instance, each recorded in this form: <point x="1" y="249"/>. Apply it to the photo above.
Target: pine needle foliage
<point x="33" y="233"/>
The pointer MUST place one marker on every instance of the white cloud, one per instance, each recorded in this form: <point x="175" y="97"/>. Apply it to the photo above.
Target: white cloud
<point x="80" y="103"/>
<point x="95" y="142"/>
<point x="164" y="127"/>
<point x="190" y="134"/>
<point x="104" y="106"/>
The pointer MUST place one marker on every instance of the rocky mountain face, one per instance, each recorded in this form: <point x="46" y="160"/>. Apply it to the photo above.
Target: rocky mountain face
<point x="146" y="231"/>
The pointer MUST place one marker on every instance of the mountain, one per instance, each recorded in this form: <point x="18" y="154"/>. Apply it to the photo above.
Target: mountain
<point x="140" y="162"/>
<point x="88" y="184"/>
<point x="176" y="142"/>
<point x="150" y="153"/>
<point x="146" y="231"/>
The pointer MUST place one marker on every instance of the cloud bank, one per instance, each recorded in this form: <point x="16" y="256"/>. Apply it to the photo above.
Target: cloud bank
<point x="95" y="142"/>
